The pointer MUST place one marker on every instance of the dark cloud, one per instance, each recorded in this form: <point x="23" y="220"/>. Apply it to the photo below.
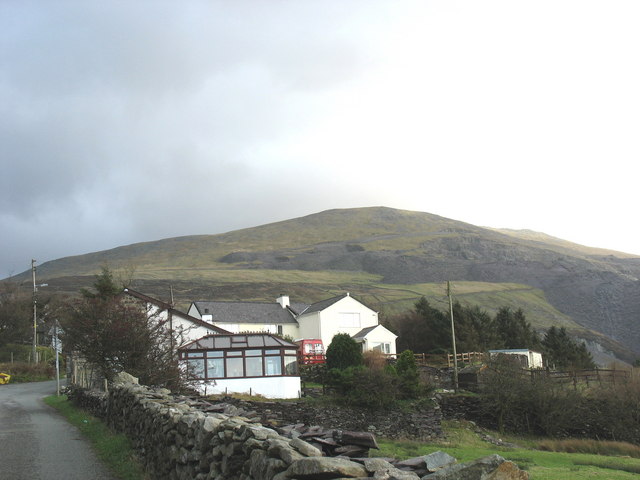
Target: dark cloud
<point x="117" y="119"/>
<point x="128" y="121"/>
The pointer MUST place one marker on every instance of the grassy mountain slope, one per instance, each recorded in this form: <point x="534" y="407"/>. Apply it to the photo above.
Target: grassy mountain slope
<point x="389" y="258"/>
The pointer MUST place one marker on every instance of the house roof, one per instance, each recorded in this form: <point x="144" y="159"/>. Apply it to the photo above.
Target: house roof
<point x="173" y="311"/>
<point x="246" y="312"/>
<point x="366" y="331"/>
<point x="247" y="340"/>
<point x="322" y="304"/>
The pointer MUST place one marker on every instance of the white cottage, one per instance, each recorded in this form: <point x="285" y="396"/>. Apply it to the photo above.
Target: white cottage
<point x="320" y="320"/>
<point x="186" y="327"/>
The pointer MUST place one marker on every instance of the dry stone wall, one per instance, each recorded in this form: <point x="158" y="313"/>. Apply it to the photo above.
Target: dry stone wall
<point x="423" y="425"/>
<point x="179" y="438"/>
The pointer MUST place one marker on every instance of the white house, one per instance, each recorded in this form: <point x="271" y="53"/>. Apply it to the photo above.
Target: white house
<point x="252" y="363"/>
<point x="185" y="327"/>
<point x="320" y="320"/>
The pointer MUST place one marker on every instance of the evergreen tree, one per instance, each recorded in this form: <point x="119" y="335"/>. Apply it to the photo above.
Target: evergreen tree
<point x="514" y="330"/>
<point x="563" y="353"/>
<point x="475" y="329"/>
<point x="425" y="329"/>
<point x="343" y="352"/>
<point x="105" y="286"/>
<point x="407" y="371"/>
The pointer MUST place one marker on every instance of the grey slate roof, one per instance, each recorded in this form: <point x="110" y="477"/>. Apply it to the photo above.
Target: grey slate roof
<point x="364" y="332"/>
<point x="247" y="340"/>
<point x="247" y="312"/>
<point x="322" y="304"/>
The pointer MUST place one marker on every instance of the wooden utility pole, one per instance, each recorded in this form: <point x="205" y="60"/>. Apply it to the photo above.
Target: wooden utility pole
<point x="453" y="340"/>
<point x="35" y="324"/>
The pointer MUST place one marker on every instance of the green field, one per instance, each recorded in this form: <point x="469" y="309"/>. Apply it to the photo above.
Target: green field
<point x="465" y="445"/>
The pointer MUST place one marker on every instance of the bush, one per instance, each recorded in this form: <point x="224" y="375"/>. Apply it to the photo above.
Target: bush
<point x="409" y="378"/>
<point x="513" y="400"/>
<point x="364" y="387"/>
<point x="27" y="372"/>
<point x="343" y="352"/>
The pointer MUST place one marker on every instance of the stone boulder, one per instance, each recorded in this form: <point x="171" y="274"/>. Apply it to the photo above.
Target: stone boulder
<point x="322" y="468"/>
<point x="481" y="469"/>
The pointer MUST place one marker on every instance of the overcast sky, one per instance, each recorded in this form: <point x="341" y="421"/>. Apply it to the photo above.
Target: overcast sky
<point x="131" y="121"/>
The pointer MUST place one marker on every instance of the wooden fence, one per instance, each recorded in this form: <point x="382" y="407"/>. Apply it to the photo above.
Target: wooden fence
<point x="596" y="375"/>
<point x="446" y="360"/>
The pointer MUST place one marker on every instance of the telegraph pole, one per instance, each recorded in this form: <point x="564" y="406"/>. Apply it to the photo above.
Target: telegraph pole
<point x="35" y="323"/>
<point x="453" y="340"/>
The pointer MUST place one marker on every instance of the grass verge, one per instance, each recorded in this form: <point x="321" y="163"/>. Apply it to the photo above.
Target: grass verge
<point x="113" y="449"/>
<point x="465" y="445"/>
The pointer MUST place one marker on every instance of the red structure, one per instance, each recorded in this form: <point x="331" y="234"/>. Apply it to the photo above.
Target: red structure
<point x="311" y="351"/>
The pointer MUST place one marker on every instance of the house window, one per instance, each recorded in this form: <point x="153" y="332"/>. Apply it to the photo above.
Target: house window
<point x="279" y="329"/>
<point x="349" y="320"/>
<point x="234" y="367"/>
<point x="195" y="367"/>
<point x="273" y="365"/>
<point x="241" y="363"/>
<point x="381" y="347"/>
<point x="290" y="365"/>
<point x="215" y="367"/>
<point x="254" y="366"/>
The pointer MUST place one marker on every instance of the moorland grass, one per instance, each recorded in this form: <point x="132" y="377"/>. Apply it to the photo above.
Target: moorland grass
<point x="586" y="445"/>
<point x="113" y="449"/>
<point x="465" y="445"/>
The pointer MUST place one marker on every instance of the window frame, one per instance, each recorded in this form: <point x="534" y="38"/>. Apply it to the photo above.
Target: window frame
<point x="284" y="364"/>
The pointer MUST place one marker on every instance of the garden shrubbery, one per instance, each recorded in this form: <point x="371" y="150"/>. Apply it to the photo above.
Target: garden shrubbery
<point x="514" y="401"/>
<point x="368" y="380"/>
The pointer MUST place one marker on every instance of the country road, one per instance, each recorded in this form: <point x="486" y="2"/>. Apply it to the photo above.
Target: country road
<point x="37" y="443"/>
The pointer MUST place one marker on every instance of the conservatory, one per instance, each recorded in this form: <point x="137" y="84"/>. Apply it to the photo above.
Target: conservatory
<point x="250" y="363"/>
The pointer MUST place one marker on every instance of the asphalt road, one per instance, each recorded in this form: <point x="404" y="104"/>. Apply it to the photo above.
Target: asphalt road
<point x="37" y="443"/>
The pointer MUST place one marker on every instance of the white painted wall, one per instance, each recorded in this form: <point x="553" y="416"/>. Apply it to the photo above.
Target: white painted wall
<point x="270" y="387"/>
<point x="188" y="330"/>
<point x="327" y="323"/>
<point x="380" y="335"/>
<point x="534" y="359"/>
<point x="309" y="327"/>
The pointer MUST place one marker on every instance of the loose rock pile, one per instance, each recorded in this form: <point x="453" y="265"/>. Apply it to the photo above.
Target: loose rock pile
<point x="184" y="438"/>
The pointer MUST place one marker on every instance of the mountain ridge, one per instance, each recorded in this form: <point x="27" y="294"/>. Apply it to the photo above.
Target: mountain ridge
<point x="382" y="251"/>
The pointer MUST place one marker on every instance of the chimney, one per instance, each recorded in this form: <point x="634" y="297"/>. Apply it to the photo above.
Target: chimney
<point x="283" y="300"/>
<point x="207" y="317"/>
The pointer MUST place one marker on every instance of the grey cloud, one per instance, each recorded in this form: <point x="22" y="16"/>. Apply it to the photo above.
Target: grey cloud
<point x="131" y="121"/>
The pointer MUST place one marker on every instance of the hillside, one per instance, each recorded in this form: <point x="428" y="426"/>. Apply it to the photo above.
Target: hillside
<point x="388" y="258"/>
